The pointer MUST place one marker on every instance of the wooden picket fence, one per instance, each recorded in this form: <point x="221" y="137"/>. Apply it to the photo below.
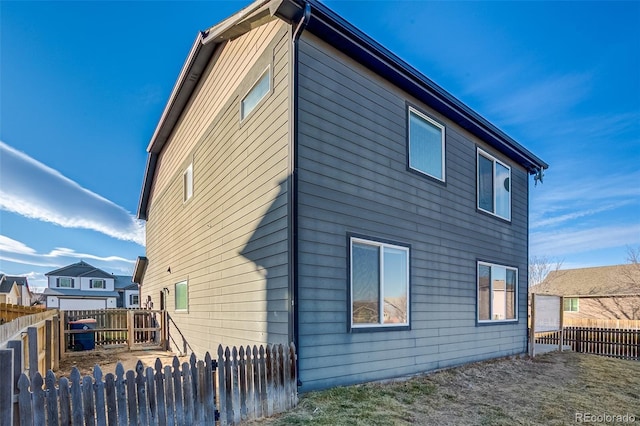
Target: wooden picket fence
<point x="10" y="312"/>
<point x="240" y="385"/>
<point x="610" y="342"/>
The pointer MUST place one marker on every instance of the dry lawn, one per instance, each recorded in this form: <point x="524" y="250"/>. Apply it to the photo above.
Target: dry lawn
<point x="547" y="390"/>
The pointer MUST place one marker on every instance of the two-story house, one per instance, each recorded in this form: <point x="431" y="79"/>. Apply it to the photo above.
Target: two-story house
<point x="83" y="286"/>
<point x="305" y="184"/>
<point x="15" y="290"/>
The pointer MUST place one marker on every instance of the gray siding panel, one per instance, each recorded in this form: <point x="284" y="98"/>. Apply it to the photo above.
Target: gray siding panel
<point x="353" y="179"/>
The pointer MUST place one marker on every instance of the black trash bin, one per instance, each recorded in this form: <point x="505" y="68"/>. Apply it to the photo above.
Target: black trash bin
<point x="83" y="341"/>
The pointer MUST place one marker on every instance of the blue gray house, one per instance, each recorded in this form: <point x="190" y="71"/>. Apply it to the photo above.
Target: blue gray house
<point x="305" y="184"/>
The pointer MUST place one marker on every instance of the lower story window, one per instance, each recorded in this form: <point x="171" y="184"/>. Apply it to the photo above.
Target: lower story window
<point x="571" y="304"/>
<point x="379" y="284"/>
<point x="497" y="292"/>
<point x="182" y="296"/>
<point x="134" y="299"/>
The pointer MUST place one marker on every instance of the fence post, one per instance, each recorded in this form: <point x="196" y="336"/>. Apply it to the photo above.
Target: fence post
<point x="561" y="316"/>
<point x="48" y="336"/>
<point x="55" y="343"/>
<point x="578" y="332"/>
<point x="532" y="329"/>
<point x="32" y="335"/>
<point x="62" y="338"/>
<point x="6" y="386"/>
<point x="130" y="337"/>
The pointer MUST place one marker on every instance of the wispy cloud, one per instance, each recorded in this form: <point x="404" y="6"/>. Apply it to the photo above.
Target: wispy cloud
<point x="17" y="252"/>
<point x="558" y="219"/>
<point x="560" y="243"/>
<point x="34" y="190"/>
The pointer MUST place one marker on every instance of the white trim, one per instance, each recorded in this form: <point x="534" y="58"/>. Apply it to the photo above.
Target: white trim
<point x="495" y="161"/>
<point x="442" y="142"/>
<point x="267" y="71"/>
<point x="516" y="291"/>
<point x="380" y="246"/>
<point x="187" y="183"/>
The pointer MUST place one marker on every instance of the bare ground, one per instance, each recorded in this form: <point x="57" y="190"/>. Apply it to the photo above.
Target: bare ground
<point x="107" y="359"/>
<point x="547" y="390"/>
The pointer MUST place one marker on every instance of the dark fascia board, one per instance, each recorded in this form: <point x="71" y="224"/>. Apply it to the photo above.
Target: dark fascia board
<point x="335" y="30"/>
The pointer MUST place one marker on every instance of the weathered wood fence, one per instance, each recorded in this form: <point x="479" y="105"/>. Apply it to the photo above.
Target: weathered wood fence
<point x="240" y="385"/>
<point x="10" y="312"/>
<point x="610" y="342"/>
<point x="131" y="328"/>
<point x="603" y="323"/>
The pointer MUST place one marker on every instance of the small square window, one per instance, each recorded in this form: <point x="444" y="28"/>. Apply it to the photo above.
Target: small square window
<point x="494" y="186"/>
<point x="571" y="304"/>
<point x="65" y="282"/>
<point x="256" y="94"/>
<point x="497" y="293"/>
<point x="426" y="145"/>
<point x="181" y="296"/>
<point x="379" y="284"/>
<point x="97" y="284"/>
<point x="187" y="181"/>
<point x="134" y="299"/>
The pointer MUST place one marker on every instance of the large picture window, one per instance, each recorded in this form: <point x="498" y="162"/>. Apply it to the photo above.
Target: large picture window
<point x="497" y="292"/>
<point x="379" y="284"/>
<point x="494" y="186"/>
<point x="255" y="95"/>
<point x="182" y="296"/>
<point x="426" y="145"/>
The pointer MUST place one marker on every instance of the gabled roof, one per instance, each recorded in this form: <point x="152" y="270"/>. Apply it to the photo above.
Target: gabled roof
<point x="123" y="282"/>
<point x="333" y="29"/>
<point x="80" y="269"/>
<point x="18" y="280"/>
<point x="598" y="281"/>
<point x="6" y="286"/>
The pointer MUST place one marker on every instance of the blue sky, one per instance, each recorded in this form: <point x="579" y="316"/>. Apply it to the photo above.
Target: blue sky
<point x="83" y="84"/>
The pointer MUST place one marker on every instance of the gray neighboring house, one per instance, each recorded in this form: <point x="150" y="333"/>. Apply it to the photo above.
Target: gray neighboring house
<point x="304" y="184"/>
<point x="21" y="295"/>
<point x="82" y="286"/>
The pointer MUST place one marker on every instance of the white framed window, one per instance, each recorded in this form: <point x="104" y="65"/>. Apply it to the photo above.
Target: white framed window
<point x="181" y="296"/>
<point x="571" y="304"/>
<point x="379" y="284"/>
<point x="134" y="299"/>
<point x="494" y="186"/>
<point x="95" y="283"/>
<point x="426" y="145"/>
<point x="65" y="282"/>
<point x="187" y="183"/>
<point x="257" y="92"/>
<point x="497" y="292"/>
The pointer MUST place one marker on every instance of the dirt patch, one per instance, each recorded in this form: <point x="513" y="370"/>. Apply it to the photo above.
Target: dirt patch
<point x="548" y="390"/>
<point x="108" y="359"/>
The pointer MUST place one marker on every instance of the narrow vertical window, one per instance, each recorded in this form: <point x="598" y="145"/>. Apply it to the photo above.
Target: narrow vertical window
<point x="255" y="95"/>
<point x="181" y="296"/>
<point x="379" y="284"/>
<point x="426" y="145"/>
<point x="187" y="182"/>
<point x="494" y="186"/>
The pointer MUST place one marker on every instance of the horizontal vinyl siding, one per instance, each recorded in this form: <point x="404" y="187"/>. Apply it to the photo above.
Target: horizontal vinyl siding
<point x="230" y="239"/>
<point x="352" y="178"/>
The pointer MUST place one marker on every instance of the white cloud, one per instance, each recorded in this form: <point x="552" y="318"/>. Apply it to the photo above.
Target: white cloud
<point x="34" y="190"/>
<point x="18" y="252"/>
<point x="571" y="241"/>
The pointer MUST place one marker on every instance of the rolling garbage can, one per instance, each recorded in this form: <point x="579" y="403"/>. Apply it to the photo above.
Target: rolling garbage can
<point x="83" y="341"/>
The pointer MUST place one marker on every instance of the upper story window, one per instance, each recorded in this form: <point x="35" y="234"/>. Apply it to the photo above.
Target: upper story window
<point x="426" y="145"/>
<point x="97" y="284"/>
<point x="571" y="304"/>
<point x="182" y="296"/>
<point x="494" y="186"/>
<point x="497" y="292"/>
<point x="134" y="299"/>
<point x="379" y="284"/>
<point x="187" y="183"/>
<point x="255" y="95"/>
<point x="65" y="282"/>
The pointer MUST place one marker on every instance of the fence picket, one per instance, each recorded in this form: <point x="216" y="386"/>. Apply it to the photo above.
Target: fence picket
<point x="132" y="403"/>
<point x="209" y="389"/>
<point x="228" y="409"/>
<point x="257" y="404"/>
<point x="242" y="367"/>
<point x="65" y="401"/>
<point x="177" y="389"/>
<point x="110" y="394"/>
<point x="76" y="397"/>
<point x="141" y="391"/>
<point x="121" y="396"/>
<point x="151" y="396"/>
<point x="87" y="401"/>
<point x="101" y="418"/>
<point x="250" y="399"/>
<point x="24" y="401"/>
<point x="159" y="387"/>
<point x="188" y="393"/>
<point x="168" y="391"/>
<point x="52" y="398"/>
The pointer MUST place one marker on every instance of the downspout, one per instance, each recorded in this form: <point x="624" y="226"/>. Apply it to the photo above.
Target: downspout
<point x="293" y="180"/>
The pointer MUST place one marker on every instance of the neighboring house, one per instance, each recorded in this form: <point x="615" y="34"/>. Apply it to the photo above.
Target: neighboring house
<point x="305" y="184"/>
<point x="82" y="286"/>
<point x="24" y="297"/>
<point x="9" y="292"/>
<point x="605" y="292"/>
